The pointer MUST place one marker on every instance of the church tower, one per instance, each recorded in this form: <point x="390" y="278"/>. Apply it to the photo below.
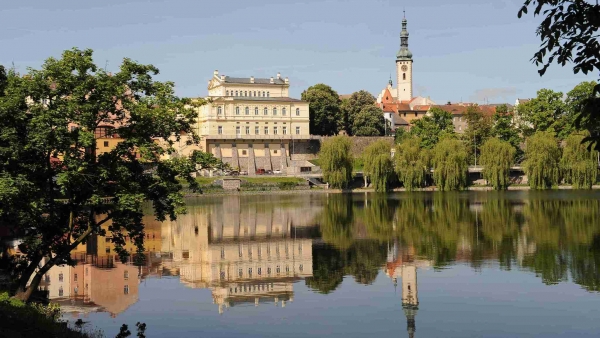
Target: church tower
<point x="410" y="297"/>
<point x="404" y="67"/>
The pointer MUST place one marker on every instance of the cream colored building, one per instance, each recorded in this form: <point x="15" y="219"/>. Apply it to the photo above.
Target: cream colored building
<point x="251" y="123"/>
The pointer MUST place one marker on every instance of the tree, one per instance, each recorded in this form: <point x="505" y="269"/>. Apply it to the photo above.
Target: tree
<point x="504" y="129"/>
<point x="378" y="166"/>
<point x="54" y="186"/>
<point x="352" y="106"/>
<point x="542" y="157"/>
<point x="325" y="113"/>
<point x="336" y="161"/>
<point x="542" y="113"/>
<point x="497" y="157"/>
<point x="576" y="102"/>
<point x="399" y="135"/>
<point x="450" y="167"/>
<point x="568" y="34"/>
<point x="369" y="122"/>
<point x="435" y="125"/>
<point x="479" y="128"/>
<point x="411" y="163"/>
<point x="206" y="160"/>
<point x="579" y="164"/>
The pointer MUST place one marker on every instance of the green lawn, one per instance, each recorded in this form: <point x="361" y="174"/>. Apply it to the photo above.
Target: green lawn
<point x="272" y="179"/>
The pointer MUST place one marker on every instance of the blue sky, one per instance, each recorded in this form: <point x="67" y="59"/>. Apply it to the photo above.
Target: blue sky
<point x="463" y="49"/>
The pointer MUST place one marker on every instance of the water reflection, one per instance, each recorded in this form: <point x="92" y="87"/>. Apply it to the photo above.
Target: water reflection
<point x="251" y="250"/>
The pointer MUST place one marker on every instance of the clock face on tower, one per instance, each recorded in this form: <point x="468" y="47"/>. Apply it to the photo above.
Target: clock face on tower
<point x="404" y="68"/>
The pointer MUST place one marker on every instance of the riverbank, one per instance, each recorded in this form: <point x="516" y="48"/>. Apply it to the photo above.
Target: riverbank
<point x="20" y="320"/>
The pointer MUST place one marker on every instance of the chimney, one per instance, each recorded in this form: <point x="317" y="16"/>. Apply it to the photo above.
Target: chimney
<point x="216" y="73"/>
<point x="278" y="76"/>
<point x="222" y="77"/>
<point x="287" y="81"/>
<point x="272" y="81"/>
<point x="251" y="79"/>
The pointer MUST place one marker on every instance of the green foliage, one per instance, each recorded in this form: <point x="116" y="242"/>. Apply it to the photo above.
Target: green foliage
<point x="206" y="160"/>
<point x="479" y="128"/>
<point x="579" y="165"/>
<point x="368" y="121"/>
<point x="434" y="126"/>
<point x="325" y="113"/>
<point x="542" y="157"/>
<point x="568" y="35"/>
<point x="411" y="163"/>
<point x="450" y="167"/>
<point x="352" y="106"/>
<point x="497" y="157"/>
<point x="50" y="118"/>
<point x="504" y="129"/>
<point x="378" y="164"/>
<point x="399" y="135"/>
<point x="336" y="161"/>
<point x="543" y="113"/>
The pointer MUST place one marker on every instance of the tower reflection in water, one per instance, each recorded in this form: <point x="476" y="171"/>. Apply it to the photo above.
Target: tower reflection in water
<point x="401" y="263"/>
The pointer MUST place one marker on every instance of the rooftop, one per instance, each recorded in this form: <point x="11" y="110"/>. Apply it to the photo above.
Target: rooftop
<point x="248" y="80"/>
<point x="254" y="99"/>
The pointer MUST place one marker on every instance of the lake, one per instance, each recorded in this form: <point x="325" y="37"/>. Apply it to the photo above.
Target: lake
<point x="431" y="264"/>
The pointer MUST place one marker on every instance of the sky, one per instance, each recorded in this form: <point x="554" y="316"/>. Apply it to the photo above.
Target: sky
<point x="463" y="50"/>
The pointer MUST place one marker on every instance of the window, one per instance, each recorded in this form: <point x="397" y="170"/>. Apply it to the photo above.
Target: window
<point x="219" y="110"/>
<point x="126" y="290"/>
<point x="47" y="278"/>
<point x="247" y="131"/>
<point x="106" y="143"/>
<point x="266" y="130"/>
<point x="249" y="272"/>
<point x="107" y="250"/>
<point x="284" y="130"/>
<point x="126" y="274"/>
<point x="222" y="252"/>
<point x="227" y="93"/>
<point x="255" y="93"/>
<point x="222" y="275"/>
<point x="249" y="248"/>
<point x="255" y="110"/>
<point x="266" y="111"/>
<point x="275" y="111"/>
<point x="301" y="268"/>
<point x="236" y="93"/>
<point x="75" y="277"/>
<point x="240" y="273"/>
<point x="60" y="277"/>
<point x="60" y="292"/>
<point x="259" y="252"/>
<point x="278" y="270"/>
<point x="268" y="271"/>
<point x="247" y="111"/>
<point x="256" y="130"/>
<point x="274" y="130"/>
<point x="240" y="250"/>
<point x="275" y="151"/>
<point x="259" y="271"/>
<point x="244" y="152"/>
<point x="404" y="114"/>
<point x="268" y="94"/>
<point x="245" y="93"/>
<point x="416" y="114"/>
<point x="264" y="94"/>
<point x="220" y="130"/>
<point x="297" y="130"/>
<point x="297" y="111"/>
<point x="237" y="110"/>
<point x="287" y="269"/>
<point x="283" y="112"/>
<point x="403" y="76"/>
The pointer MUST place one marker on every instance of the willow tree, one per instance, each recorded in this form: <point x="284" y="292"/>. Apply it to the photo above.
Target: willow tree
<point x="578" y="164"/>
<point x="497" y="157"/>
<point x="336" y="161"/>
<point x="542" y="159"/>
<point x="450" y="167"/>
<point x="378" y="166"/>
<point x="411" y="163"/>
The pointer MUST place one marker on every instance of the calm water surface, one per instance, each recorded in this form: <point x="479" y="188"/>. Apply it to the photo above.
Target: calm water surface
<point x="514" y="264"/>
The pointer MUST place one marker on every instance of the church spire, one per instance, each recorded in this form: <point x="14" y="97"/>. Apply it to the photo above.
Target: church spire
<point x="404" y="53"/>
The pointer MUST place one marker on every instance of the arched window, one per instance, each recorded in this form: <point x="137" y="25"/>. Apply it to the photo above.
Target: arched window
<point x="403" y="76"/>
<point x="237" y="110"/>
<point x="274" y="110"/>
<point x="255" y="110"/>
<point x="236" y="93"/>
<point x="255" y="93"/>
<point x="245" y="93"/>
<point x="264" y="94"/>
<point x="266" y="112"/>
<point x="227" y="93"/>
<point x="283" y="112"/>
<point x="268" y="94"/>
<point x="247" y="111"/>
<point x="219" y="110"/>
<point x="297" y="111"/>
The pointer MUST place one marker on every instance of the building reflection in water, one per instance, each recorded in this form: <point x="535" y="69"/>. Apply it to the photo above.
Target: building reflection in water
<point x="244" y="255"/>
<point x="401" y="263"/>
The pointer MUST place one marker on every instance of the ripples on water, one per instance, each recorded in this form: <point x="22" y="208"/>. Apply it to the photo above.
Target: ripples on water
<point x="488" y="264"/>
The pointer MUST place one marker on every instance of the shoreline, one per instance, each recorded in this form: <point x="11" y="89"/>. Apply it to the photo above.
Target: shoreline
<point x="368" y="190"/>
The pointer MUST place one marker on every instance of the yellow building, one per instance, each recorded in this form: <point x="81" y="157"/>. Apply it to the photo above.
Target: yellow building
<point x="251" y="123"/>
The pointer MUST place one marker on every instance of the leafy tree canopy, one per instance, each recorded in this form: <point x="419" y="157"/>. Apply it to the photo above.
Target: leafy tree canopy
<point x="336" y="161"/>
<point x="411" y="163"/>
<point x="479" y="128"/>
<point x="325" y="112"/>
<point x="53" y="182"/>
<point x="369" y="122"/>
<point x="505" y="130"/>
<point x="435" y="125"/>
<point x="542" y="156"/>
<point x="378" y="164"/>
<point x="352" y="106"/>
<point x="497" y="157"/>
<point x="579" y="164"/>
<point x="542" y="113"/>
<point x="450" y="167"/>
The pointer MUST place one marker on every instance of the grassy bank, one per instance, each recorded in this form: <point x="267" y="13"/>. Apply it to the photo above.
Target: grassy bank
<point x="18" y="319"/>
